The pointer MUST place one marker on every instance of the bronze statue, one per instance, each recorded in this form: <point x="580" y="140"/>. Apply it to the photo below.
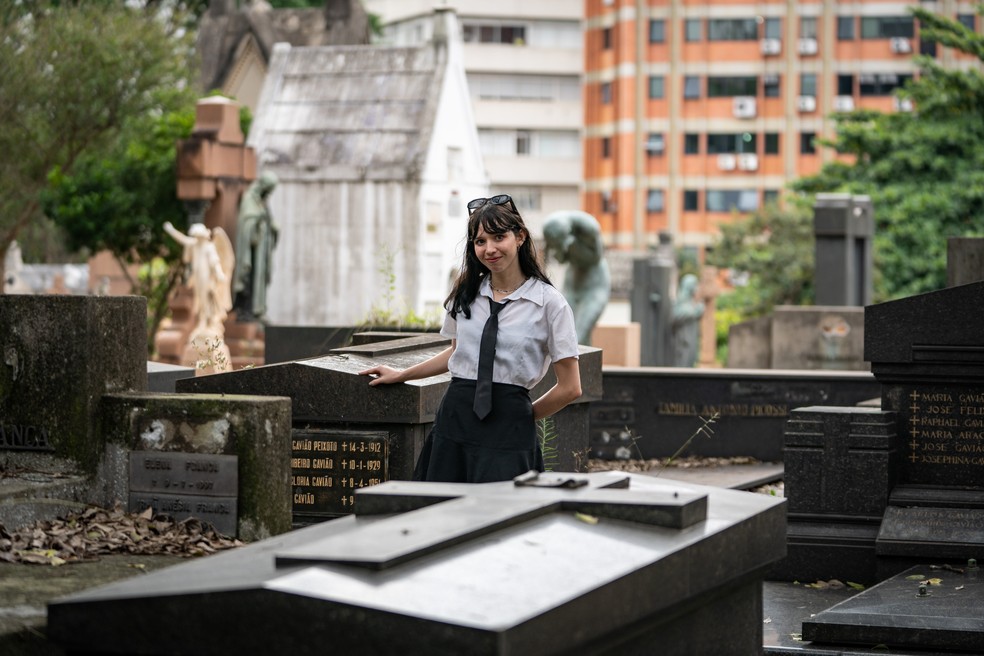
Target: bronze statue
<point x="256" y="237"/>
<point x="574" y="238"/>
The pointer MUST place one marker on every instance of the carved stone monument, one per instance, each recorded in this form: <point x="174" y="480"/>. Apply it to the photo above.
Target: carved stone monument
<point x="602" y="563"/>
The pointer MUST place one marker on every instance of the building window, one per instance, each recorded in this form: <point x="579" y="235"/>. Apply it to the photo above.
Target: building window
<point x="886" y="27"/>
<point x="845" y="85"/>
<point x="655" y="87"/>
<point x="486" y="33"/>
<point x="691" y="200"/>
<point x="657" y="31"/>
<point x="967" y="20"/>
<point x="882" y="84"/>
<point x="692" y="29"/>
<point x="527" y="199"/>
<point x="741" y="142"/>
<point x="606" y="39"/>
<point x="845" y="28"/>
<point x="770" y="85"/>
<point x="807" y="145"/>
<point x="691" y="87"/>
<point x="732" y="29"/>
<point x="523" y="143"/>
<point x="654" y="200"/>
<point x="729" y="200"/>
<point x="773" y="28"/>
<point x="607" y="204"/>
<point x="808" y="27"/>
<point x="606" y="93"/>
<point x="606" y="147"/>
<point x="655" y="144"/>
<point x="771" y="143"/>
<point x="726" y="87"/>
<point x="770" y="196"/>
<point x="808" y="84"/>
<point x="691" y="144"/>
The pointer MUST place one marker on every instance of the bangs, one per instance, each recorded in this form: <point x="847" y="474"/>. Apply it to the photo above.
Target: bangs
<point x="494" y="219"/>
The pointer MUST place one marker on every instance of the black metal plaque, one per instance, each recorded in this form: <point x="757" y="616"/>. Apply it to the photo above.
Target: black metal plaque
<point x="328" y="466"/>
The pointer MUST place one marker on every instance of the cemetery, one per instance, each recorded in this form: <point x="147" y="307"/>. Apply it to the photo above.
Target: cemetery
<point x="253" y="439"/>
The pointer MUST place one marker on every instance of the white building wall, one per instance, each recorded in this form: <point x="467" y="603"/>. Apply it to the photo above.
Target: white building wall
<point x="553" y="46"/>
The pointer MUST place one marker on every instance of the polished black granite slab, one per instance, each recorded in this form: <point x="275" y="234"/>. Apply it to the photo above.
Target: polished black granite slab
<point x="947" y="613"/>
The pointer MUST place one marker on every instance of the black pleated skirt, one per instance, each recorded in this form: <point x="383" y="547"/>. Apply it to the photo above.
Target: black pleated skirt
<point x="461" y="448"/>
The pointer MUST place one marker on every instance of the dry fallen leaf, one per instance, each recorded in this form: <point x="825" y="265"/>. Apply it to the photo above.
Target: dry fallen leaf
<point x="587" y="519"/>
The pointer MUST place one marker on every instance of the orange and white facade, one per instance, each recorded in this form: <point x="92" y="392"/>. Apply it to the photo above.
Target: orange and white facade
<point x="696" y="111"/>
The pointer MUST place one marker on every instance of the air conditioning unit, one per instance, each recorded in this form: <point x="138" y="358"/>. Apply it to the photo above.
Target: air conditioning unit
<point x="844" y="104"/>
<point x="901" y="45"/>
<point x="902" y="104"/>
<point x="770" y="46"/>
<point x="744" y="107"/>
<point x="748" y="162"/>
<point x="727" y="162"/>
<point x="807" y="46"/>
<point x="806" y="103"/>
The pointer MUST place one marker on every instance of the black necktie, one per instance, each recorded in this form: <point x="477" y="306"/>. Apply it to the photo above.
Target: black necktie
<point x="486" y="358"/>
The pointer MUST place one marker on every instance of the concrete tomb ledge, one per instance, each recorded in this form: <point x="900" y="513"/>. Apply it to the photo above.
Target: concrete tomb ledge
<point x="550" y="583"/>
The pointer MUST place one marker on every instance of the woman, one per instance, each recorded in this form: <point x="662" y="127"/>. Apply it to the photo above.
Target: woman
<point x="472" y="442"/>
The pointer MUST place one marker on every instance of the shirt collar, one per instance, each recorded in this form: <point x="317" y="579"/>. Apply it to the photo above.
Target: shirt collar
<point x="531" y="290"/>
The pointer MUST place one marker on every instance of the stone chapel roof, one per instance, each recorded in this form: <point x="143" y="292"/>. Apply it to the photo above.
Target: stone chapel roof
<point x="349" y="112"/>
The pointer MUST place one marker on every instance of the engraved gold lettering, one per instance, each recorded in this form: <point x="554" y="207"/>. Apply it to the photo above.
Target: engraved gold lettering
<point x="300" y="463"/>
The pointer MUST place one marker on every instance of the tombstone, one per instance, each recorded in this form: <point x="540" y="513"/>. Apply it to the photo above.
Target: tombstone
<point x="652" y="412"/>
<point x="800" y="337"/>
<point x="926" y="353"/>
<point x="224" y="459"/>
<point x="843" y="226"/>
<point x="603" y="563"/>
<point x="61" y="354"/>
<point x="896" y="494"/>
<point x="964" y="260"/>
<point x="651" y="301"/>
<point x="347" y="436"/>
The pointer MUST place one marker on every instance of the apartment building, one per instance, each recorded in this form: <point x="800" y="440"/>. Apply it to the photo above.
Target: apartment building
<point x="696" y="111"/>
<point x="524" y="62"/>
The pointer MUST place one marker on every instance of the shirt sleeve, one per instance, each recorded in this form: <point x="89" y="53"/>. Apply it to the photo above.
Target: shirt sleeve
<point x="562" y="339"/>
<point x="450" y="327"/>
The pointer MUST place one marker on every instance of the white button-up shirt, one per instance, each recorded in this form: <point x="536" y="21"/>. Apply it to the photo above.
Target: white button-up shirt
<point x="536" y="329"/>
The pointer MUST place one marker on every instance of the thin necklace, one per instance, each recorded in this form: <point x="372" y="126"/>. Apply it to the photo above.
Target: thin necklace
<point x="507" y="291"/>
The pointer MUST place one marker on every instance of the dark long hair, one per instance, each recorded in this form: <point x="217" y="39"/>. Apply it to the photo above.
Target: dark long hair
<point x="495" y="220"/>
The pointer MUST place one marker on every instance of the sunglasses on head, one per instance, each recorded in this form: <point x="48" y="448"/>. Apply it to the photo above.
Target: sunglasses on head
<point x="501" y="199"/>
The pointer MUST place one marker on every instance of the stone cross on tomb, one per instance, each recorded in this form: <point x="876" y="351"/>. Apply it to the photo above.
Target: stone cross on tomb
<point x="434" y="516"/>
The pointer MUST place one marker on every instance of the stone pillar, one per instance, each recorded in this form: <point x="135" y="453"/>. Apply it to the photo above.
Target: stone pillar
<point x="651" y="300"/>
<point x="843" y="225"/>
<point x="215" y="168"/>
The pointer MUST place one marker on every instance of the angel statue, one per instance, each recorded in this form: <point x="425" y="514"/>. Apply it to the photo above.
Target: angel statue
<point x="210" y="261"/>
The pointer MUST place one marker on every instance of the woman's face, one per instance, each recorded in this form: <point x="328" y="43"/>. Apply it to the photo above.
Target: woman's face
<point x="498" y="252"/>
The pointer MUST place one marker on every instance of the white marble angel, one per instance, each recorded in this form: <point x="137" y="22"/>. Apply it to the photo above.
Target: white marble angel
<point x="210" y="258"/>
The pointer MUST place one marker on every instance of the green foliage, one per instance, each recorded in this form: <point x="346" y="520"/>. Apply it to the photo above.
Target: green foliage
<point x="546" y="434"/>
<point x="773" y="248"/>
<point x="924" y="170"/>
<point x="391" y="312"/>
<point x="73" y="75"/>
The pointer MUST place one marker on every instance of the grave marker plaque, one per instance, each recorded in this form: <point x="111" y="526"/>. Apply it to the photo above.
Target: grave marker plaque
<point x="943" y="430"/>
<point x="329" y="465"/>
<point x="186" y="485"/>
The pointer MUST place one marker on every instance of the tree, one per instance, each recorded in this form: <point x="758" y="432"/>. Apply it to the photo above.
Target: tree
<point x="772" y="251"/>
<point x="924" y="170"/>
<point x="72" y="76"/>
